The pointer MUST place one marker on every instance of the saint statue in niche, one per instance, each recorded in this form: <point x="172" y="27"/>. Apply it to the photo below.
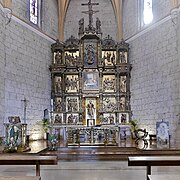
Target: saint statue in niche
<point x="122" y="57"/>
<point x="98" y="25"/>
<point x="90" y="110"/>
<point x="90" y="54"/>
<point x="58" y="58"/>
<point x="58" y="86"/>
<point x="81" y="26"/>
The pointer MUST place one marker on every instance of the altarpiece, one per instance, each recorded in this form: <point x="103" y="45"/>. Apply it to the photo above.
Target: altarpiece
<point x="90" y="78"/>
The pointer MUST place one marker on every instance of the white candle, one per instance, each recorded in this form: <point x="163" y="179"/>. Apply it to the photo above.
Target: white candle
<point x="51" y="104"/>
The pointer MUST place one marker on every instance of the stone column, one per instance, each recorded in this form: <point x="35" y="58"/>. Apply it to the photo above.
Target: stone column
<point x="62" y="8"/>
<point x="117" y="5"/>
<point x="7" y="3"/>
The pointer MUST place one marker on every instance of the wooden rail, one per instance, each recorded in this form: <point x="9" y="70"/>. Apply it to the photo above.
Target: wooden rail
<point x="149" y="161"/>
<point x="20" y="178"/>
<point x="6" y="159"/>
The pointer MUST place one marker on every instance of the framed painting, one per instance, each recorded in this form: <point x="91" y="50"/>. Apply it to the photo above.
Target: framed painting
<point x="90" y="81"/>
<point x="162" y="134"/>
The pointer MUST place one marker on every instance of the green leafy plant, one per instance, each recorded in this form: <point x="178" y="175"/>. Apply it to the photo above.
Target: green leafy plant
<point x="45" y="124"/>
<point x="134" y="125"/>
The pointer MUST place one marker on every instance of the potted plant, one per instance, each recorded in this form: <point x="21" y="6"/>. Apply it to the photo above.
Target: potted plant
<point x="134" y="127"/>
<point x="45" y="124"/>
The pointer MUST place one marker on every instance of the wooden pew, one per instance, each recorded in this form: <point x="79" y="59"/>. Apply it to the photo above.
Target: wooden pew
<point x="163" y="177"/>
<point x="149" y="161"/>
<point x="11" y="159"/>
<point x="20" y="178"/>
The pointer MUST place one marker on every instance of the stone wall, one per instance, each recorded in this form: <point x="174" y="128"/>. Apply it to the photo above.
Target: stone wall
<point x="132" y="15"/>
<point x="105" y="14"/>
<point x="27" y="75"/>
<point x="155" y="73"/>
<point x="49" y="15"/>
<point x="24" y="65"/>
<point x="2" y="65"/>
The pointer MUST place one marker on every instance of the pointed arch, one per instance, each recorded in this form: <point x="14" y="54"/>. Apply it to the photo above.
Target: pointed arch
<point x="62" y="10"/>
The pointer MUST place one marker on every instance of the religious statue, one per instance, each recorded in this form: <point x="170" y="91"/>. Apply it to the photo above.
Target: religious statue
<point x="90" y="110"/>
<point x="122" y="57"/>
<point x="123" y="118"/>
<point x="90" y="54"/>
<point x="58" y="58"/>
<point x="123" y="84"/>
<point x="81" y="26"/>
<point x="59" y="106"/>
<point x="98" y="25"/>
<point x="58" y="86"/>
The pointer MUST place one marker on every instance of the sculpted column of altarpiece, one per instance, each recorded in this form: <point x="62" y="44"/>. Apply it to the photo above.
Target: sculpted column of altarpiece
<point x="90" y="79"/>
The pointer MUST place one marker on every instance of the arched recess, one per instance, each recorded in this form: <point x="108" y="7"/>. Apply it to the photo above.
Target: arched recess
<point x="63" y="6"/>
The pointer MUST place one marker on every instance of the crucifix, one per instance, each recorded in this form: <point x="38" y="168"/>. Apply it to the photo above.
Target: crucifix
<point x="25" y="107"/>
<point x="90" y="12"/>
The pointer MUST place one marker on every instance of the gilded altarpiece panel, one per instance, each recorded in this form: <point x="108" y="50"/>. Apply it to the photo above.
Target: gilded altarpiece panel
<point x="109" y="58"/>
<point x="90" y="53"/>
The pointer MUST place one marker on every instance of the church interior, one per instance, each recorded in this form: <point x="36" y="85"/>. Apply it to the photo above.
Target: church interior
<point x="92" y="83"/>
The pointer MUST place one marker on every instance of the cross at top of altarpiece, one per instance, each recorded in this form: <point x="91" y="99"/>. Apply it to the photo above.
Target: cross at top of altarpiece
<point x="90" y="12"/>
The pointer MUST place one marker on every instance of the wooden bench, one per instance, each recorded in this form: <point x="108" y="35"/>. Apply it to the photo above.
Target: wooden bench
<point x="149" y="161"/>
<point x="20" y="178"/>
<point x="164" y="177"/>
<point x="10" y="159"/>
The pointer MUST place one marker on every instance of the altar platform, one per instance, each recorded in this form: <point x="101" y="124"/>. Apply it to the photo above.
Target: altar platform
<point x="105" y="153"/>
<point x="100" y="152"/>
